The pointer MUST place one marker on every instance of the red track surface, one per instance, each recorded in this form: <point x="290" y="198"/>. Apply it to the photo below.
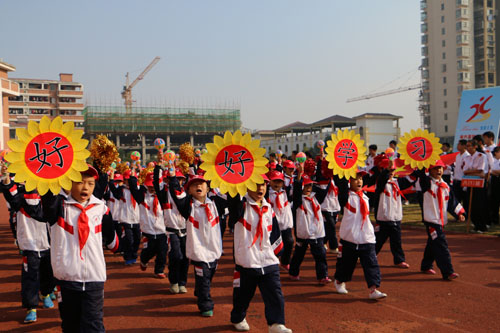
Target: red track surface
<point x="136" y="302"/>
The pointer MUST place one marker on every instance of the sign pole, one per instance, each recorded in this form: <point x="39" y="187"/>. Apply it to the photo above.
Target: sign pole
<point x="469" y="210"/>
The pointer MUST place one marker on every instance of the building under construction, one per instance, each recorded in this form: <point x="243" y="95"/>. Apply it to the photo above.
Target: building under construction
<point x="135" y="128"/>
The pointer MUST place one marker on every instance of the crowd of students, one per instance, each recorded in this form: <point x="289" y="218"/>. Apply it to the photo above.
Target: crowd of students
<point x="179" y="218"/>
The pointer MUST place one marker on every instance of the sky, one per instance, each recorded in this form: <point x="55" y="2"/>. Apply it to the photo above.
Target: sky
<point x="281" y="61"/>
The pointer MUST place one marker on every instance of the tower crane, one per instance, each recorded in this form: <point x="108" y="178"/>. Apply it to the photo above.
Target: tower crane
<point x="127" y="88"/>
<point x="384" y="93"/>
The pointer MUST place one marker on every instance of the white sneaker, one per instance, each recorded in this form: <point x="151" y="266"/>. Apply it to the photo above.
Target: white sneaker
<point x="242" y="326"/>
<point x="340" y="287"/>
<point x="174" y="288"/>
<point x="375" y="294"/>
<point x="279" y="328"/>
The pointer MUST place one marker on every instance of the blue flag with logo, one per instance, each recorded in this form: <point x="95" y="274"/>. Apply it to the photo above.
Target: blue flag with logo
<point x="479" y="112"/>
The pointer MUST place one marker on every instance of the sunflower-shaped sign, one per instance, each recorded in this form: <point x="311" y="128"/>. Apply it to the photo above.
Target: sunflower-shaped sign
<point x="48" y="156"/>
<point x="234" y="163"/>
<point x="345" y="152"/>
<point x="419" y="148"/>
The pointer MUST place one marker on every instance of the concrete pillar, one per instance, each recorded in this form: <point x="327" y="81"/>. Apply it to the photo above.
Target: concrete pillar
<point x="117" y="142"/>
<point x="168" y="142"/>
<point x="143" y="144"/>
<point x="191" y="139"/>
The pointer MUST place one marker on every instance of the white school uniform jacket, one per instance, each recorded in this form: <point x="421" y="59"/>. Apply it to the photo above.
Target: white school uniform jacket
<point x="114" y="206"/>
<point x="254" y="244"/>
<point x="128" y="208"/>
<point x="172" y="216"/>
<point x="69" y="261"/>
<point x="438" y="199"/>
<point x="282" y="208"/>
<point x="331" y="202"/>
<point x="151" y="215"/>
<point x="458" y="172"/>
<point x="31" y="235"/>
<point x="309" y="220"/>
<point x="353" y="227"/>
<point x="203" y="240"/>
<point x="390" y="207"/>
<point x="478" y="161"/>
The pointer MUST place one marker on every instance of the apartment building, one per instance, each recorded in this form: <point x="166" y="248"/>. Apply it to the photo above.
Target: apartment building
<point x="8" y="89"/>
<point x="458" y="53"/>
<point x="39" y="97"/>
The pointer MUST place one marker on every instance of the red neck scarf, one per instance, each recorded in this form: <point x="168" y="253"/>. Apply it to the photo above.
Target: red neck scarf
<point x="315" y="207"/>
<point x="210" y="217"/>
<point x="83" y="225"/>
<point x="363" y="207"/>
<point x="155" y="204"/>
<point x="260" y="231"/>
<point x="440" y="196"/>
<point x="277" y="201"/>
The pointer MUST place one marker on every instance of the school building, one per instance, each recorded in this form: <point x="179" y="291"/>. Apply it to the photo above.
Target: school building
<point x="8" y="89"/>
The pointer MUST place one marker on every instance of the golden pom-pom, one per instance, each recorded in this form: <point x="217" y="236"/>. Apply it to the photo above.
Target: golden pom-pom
<point x="183" y="166"/>
<point x="103" y="152"/>
<point x="142" y="175"/>
<point x="186" y="153"/>
<point x="121" y="168"/>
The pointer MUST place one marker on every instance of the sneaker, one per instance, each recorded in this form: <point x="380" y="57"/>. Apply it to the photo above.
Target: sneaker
<point x="324" y="281"/>
<point x="294" y="278"/>
<point x="375" y="294"/>
<point x="403" y="265"/>
<point x="47" y="302"/>
<point x="174" y="288"/>
<point x="429" y="271"/>
<point x="452" y="276"/>
<point x="130" y="262"/>
<point x="52" y="296"/>
<point x="334" y="251"/>
<point x="242" y="326"/>
<point x="182" y="290"/>
<point x="30" y="316"/>
<point x="279" y="328"/>
<point x="143" y="266"/>
<point x="285" y="267"/>
<point x="160" y="275"/>
<point x="340" y="286"/>
<point x="208" y="313"/>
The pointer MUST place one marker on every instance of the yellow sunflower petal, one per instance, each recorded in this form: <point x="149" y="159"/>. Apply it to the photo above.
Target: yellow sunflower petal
<point x="54" y="187"/>
<point x="232" y="191"/>
<point x="246" y="139"/>
<point x="252" y="186"/>
<point x="67" y="128"/>
<point x="223" y="187"/>
<point x="15" y="168"/>
<point x="242" y="189"/>
<point x="31" y="183"/>
<point x="79" y="165"/>
<point x="80" y="144"/>
<point x="45" y="124"/>
<point x="43" y="187"/>
<point x="14" y="157"/>
<point x="65" y="182"/>
<point x="74" y="175"/>
<point x="16" y="145"/>
<point x="237" y="137"/>
<point x="33" y="128"/>
<point x="23" y="135"/>
<point x="82" y="155"/>
<point x="56" y="124"/>
<point x="218" y="141"/>
<point x="212" y="149"/>
<point x="76" y="135"/>
<point x="228" y="138"/>
<point x="254" y="144"/>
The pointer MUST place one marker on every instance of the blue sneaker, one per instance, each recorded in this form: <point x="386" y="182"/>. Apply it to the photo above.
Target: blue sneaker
<point x="30" y="316"/>
<point x="47" y="302"/>
<point x="130" y="262"/>
<point x="52" y="296"/>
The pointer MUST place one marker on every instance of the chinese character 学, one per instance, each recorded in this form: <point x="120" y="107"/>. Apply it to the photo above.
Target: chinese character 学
<point x="345" y="151"/>
<point x="229" y="162"/>
<point x="41" y="156"/>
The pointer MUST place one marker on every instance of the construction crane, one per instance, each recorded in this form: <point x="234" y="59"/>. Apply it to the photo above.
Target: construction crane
<point x="384" y="93"/>
<point x="127" y="88"/>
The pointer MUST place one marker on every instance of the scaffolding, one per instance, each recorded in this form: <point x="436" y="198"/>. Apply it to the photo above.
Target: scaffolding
<point x="160" y="120"/>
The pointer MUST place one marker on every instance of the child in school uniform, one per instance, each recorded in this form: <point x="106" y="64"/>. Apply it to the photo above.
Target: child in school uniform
<point x="203" y="240"/>
<point x="437" y="200"/>
<point x="357" y="239"/>
<point x="175" y="225"/>
<point x="309" y="226"/>
<point x="128" y="218"/>
<point x="257" y="242"/>
<point x="152" y="225"/>
<point x="278" y="199"/>
<point x="79" y="223"/>
<point x="33" y="241"/>
<point x="389" y="211"/>
<point x="495" y="186"/>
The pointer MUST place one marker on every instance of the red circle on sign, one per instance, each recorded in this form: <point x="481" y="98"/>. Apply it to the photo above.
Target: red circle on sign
<point x="234" y="164"/>
<point x="419" y="148"/>
<point x="49" y="155"/>
<point x="346" y="154"/>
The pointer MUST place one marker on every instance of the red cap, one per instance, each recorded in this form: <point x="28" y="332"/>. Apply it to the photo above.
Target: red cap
<point x="266" y="179"/>
<point x="194" y="178"/>
<point x="127" y="174"/>
<point x="118" y="176"/>
<point x="307" y="180"/>
<point x="288" y="164"/>
<point x="91" y="171"/>
<point x="200" y="172"/>
<point x="438" y="164"/>
<point x="149" y="179"/>
<point x="271" y="165"/>
<point x="179" y="174"/>
<point x="276" y="175"/>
